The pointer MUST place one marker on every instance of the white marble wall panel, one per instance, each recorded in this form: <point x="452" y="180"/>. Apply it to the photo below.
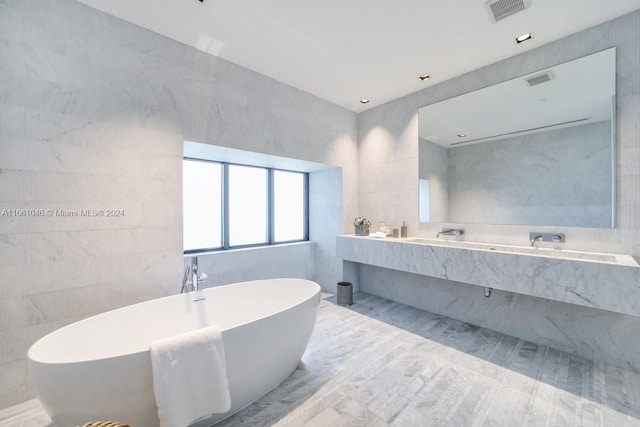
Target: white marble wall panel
<point x="530" y="180"/>
<point x="591" y="333"/>
<point x="325" y="219"/>
<point x="93" y="114"/>
<point x="227" y="267"/>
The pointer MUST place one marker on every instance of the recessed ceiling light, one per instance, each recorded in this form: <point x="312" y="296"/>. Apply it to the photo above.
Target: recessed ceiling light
<point x="523" y="38"/>
<point x="424" y="77"/>
<point x="462" y="135"/>
<point x="364" y="101"/>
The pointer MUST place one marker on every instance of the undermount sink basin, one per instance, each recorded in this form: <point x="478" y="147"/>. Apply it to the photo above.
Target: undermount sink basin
<point x="534" y="251"/>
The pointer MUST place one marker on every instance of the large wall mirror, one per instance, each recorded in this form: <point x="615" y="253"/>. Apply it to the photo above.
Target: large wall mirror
<point x="535" y="150"/>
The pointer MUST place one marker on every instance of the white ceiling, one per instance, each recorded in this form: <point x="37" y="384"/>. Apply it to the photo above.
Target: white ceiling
<point x="346" y="50"/>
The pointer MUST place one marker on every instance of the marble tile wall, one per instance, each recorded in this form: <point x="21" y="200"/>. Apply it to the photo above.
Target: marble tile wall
<point x="388" y="141"/>
<point x="325" y="222"/>
<point x="93" y="115"/>
<point x="225" y="267"/>
<point x="528" y="180"/>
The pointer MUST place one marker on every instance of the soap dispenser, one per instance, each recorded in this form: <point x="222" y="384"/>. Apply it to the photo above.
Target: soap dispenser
<point x="403" y="229"/>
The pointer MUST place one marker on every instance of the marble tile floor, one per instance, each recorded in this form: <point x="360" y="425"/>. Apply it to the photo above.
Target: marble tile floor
<point x="381" y="363"/>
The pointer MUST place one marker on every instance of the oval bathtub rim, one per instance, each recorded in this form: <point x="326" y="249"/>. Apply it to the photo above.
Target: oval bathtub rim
<point x="114" y="356"/>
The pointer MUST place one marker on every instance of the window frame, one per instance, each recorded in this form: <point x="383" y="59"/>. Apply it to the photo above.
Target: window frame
<point x="270" y="208"/>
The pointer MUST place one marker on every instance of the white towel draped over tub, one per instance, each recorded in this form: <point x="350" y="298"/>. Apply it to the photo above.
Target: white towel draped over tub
<point x="189" y="376"/>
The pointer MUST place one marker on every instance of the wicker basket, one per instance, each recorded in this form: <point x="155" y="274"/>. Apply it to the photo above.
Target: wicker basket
<point x="105" y="424"/>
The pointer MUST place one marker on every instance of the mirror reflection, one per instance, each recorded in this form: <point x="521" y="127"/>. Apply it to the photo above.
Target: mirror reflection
<point x="535" y="150"/>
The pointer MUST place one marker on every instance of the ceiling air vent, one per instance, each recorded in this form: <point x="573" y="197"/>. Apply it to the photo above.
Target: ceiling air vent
<point x="539" y="79"/>
<point x="500" y="9"/>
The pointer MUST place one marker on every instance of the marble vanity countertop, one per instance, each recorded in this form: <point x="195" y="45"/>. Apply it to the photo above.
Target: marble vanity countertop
<point x="605" y="281"/>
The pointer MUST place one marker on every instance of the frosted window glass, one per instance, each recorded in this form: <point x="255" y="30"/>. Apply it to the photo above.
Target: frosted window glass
<point x="288" y="206"/>
<point x="202" y="205"/>
<point x="247" y="205"/>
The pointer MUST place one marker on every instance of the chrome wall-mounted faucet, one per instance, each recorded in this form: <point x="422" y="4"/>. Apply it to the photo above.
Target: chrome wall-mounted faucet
<point x="546" y="237"/>
<point x="535" y="239"/>
<point x="196" y="278"/>
<point x="458" y="232"/>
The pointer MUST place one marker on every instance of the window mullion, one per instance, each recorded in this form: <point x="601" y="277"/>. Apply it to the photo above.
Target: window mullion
<point x="306" y="207"/>
<point x="270" y="204"/>
<point x="225" y="205"/>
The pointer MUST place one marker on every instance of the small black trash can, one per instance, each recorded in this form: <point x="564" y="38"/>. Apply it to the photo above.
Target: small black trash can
<point x="345" y="293"/>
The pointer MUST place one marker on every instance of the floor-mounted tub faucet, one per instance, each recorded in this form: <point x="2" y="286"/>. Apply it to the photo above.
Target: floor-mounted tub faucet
<point x="184" y="280"/>
<point x="194" y="273"/>
<point x="196" y="279"/>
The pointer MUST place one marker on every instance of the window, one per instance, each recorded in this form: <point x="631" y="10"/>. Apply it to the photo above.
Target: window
<point x="289" y="206"/>
<point x="202" y="204"/>
<point x="248" y="205"/>
<point x="230" y="206"/>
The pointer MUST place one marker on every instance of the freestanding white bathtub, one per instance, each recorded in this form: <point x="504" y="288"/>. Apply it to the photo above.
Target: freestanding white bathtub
<point x="99" y="369"/>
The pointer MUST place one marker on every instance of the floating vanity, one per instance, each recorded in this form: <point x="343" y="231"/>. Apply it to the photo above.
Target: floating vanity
<point x="605" y="281"/>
